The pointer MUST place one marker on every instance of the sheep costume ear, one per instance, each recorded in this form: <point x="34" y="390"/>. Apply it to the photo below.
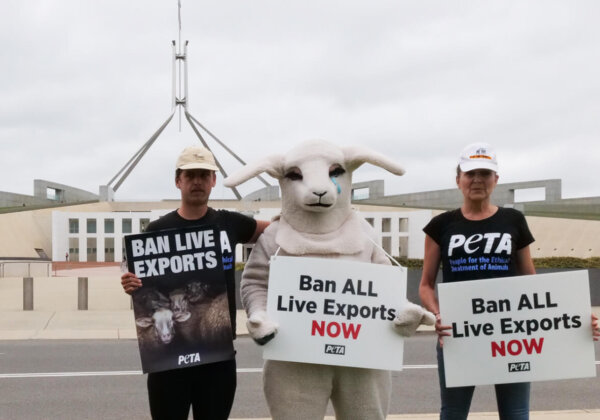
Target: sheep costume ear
<point x="354" y="157"/>
<point x="273" y="165"/>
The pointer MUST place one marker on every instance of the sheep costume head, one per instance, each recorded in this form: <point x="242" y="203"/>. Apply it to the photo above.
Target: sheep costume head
<point x="315" y="179"/>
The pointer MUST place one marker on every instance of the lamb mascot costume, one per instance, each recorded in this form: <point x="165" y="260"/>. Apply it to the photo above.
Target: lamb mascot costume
<point x="317" y="220"/>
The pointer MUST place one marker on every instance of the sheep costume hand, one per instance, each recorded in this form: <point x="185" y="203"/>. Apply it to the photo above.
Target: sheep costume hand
<point x="317" y="220"/>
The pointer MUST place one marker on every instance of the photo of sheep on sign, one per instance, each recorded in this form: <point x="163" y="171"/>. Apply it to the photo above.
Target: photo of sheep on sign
<point x="181" y="311"/>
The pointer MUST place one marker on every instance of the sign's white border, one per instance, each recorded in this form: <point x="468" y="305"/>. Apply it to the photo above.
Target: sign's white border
<point x="375" y="288"/>
<point x="517" y="329"/>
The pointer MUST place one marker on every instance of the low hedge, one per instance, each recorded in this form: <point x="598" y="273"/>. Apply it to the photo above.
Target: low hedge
<point x="552" y="262"/>
<point x="567" y="262"/>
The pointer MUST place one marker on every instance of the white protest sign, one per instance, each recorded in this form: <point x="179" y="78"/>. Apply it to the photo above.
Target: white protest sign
<point x="517" y="329"/>
<point x="335" y="312"/>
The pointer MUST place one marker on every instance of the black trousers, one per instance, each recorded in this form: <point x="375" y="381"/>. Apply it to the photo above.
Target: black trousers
<point x="208" y="389"/>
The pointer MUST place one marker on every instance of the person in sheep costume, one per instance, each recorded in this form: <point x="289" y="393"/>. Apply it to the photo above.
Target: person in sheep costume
<point x="317" y="220"/>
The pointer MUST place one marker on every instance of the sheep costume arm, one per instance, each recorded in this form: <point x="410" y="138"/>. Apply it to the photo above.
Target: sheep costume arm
<point x="253" y="289"/>
<point x="316" y="183"/>
<point x="410" y="315"/>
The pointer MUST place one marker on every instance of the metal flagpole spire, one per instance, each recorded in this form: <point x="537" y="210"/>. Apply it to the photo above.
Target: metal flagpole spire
<point x="179" y="100"/>
<point x="182" y="57"/>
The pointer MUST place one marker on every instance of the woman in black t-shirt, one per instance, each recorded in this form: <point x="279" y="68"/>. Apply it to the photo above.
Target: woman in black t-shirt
<point x="456" y="238"/>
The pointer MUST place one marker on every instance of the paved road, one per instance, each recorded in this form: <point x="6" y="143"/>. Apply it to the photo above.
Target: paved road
<point x="91" y="379"/>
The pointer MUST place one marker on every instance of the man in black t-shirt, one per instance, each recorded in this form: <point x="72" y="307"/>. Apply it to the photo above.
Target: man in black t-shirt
<point x="208" y="388"/>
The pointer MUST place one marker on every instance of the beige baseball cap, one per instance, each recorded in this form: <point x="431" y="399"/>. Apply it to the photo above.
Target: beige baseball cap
<point x="478" y="156"/>
<point x="196" y="157"/>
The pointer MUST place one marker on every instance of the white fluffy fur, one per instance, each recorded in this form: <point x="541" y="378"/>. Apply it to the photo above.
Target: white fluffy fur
<point x="305" y="229"/>
<point x="317" y="219"/>
<point x="259" y="325"/>
<point x="314" y="159"/>
<point x="410" y="317"/>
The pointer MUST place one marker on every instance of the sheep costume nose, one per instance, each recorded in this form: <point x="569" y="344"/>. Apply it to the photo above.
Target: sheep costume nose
<point x="277" y="165"/>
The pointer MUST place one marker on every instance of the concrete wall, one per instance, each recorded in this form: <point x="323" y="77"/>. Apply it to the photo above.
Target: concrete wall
<point x="8" y="199"/>
<point x="414" y="278"/>
<point x="22" y="232"/>
<point x="25" y="268"/>
<point x="400" y="233"/>
<point x="580" y="208"/>
<point x="264" y="194"/>
<point x="61" y="236"/>
<point x="64" y="194"/>
<point x="396" y="231"/>
<point x="452" y="198"/>
<point x="376" y="188"/>
<point x="105" y="292"/>
<point x="564" y="237"/>
<point x="61" y="294"/>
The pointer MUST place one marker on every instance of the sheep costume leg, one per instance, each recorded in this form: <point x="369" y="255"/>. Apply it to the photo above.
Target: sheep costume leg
<point x="301" y="391"/>
<point x="317" y="220"/>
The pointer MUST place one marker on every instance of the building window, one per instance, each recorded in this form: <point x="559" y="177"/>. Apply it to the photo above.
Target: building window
<point x="386" y="244"/>
<point x="247" y="249"/>
<point x="109" y="226"/>
<point x="386" y="224"/>
<point x="126" y="225"/>
<point x="92" y="255"/>
<point x="91" y="225"/>
<point x="73" y="225"/>
<point x="55" y="194"/>
<point x="403" y="247"/>
<point x="109" y="249"/>
<point x="403" y="224"/>
<point x="360" y="193"/>
<point x="73" y="249"/>
<point x="371" y="221"/>
<point x="144" y="224"/>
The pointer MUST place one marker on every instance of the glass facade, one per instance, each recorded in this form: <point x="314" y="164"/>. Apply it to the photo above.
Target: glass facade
<point x="386" y="224"/>
<point x="92" y="254"/>
<point x="403" y="224"/>
<point x="73" y="249"/>
<point x="73" y="225"/>
<point x="109" y="249"/>
<point x="109" y="226"/>
<point x="144" y="224"/>
<point x="91" y="225"/>
<point x="126" y="226"/>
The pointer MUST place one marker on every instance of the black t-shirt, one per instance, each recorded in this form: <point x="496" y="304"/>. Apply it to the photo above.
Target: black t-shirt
<point x="237" y="229"/>
<point x="479" y="249"/>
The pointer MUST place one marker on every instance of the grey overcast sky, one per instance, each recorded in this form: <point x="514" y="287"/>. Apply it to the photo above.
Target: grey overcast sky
<point x="84" y="83"/>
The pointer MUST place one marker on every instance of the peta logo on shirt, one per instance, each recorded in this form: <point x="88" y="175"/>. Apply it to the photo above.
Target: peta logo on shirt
<point x="491" y="242"/>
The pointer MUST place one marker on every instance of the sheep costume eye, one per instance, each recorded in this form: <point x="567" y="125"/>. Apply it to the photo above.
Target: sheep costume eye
<point x="294" y="174"/>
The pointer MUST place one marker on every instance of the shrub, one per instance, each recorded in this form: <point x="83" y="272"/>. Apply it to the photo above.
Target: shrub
<point x="551" y="262"/>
